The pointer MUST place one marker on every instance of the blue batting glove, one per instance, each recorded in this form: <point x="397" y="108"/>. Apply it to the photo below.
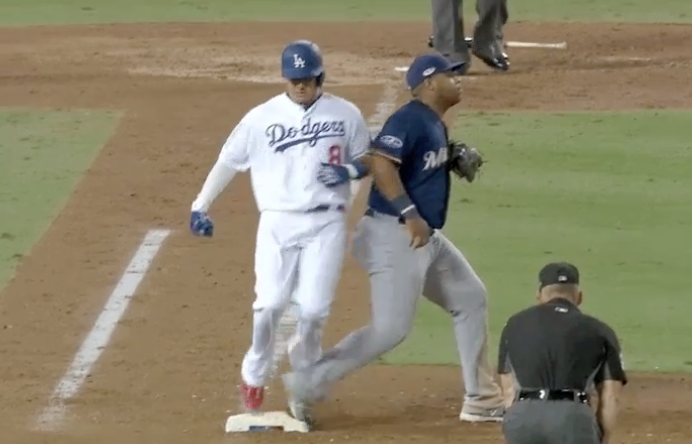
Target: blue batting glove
<point x="332" y="175"/>
<point x="201" y="225"/>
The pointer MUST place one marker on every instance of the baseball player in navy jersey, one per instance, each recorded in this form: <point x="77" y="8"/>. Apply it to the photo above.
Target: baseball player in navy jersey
<point x="399" y="243"/>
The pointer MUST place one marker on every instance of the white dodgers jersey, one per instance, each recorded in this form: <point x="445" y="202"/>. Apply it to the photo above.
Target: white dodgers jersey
<point x="283" y="145"/>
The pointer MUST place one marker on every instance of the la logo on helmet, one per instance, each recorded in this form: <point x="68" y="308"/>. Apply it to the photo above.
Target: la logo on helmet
<point x="298" y="62"/>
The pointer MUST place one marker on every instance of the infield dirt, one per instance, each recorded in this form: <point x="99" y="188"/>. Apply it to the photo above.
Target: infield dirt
<point x="169" y="376"/>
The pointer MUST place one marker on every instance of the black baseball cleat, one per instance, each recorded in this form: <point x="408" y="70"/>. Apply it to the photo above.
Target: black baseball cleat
<point x="503" y="46"/>
<point x="469" y="44"/>
<point x="301" y="411"/>
<point x="299" y="406"/>
<point x="492" y="57"/>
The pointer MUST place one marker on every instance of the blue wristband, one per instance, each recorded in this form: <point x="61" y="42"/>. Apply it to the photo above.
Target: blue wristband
<point x="357" y="170"/>
<point x="404" y="206"/>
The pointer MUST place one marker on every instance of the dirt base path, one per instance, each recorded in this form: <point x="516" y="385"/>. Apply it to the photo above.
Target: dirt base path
<point x="170" y="373"/>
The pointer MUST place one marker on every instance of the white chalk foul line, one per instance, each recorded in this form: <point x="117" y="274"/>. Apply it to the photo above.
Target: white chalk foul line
<point x="100" y="334"/>
<point x="560" y="45"/>
<point x="285" y="339"/>
<point x="384" y="108"/>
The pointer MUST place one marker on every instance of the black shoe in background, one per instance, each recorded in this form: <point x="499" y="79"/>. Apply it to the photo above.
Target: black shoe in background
<point x="492" y="56"/>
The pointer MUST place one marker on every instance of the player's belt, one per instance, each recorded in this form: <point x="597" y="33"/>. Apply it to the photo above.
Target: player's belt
<point x="371" y="213"/>
<point x="325" y="207"/>
<point x="554" y="395"/>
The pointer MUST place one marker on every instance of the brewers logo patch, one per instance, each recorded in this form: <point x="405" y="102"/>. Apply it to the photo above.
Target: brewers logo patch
<point x="391" y="142"/>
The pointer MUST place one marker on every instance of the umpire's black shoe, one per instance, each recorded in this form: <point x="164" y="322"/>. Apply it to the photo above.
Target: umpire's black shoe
<point x="469" y="44"/>
<point x="503" y="47"/>
<point x="493" y="57"/>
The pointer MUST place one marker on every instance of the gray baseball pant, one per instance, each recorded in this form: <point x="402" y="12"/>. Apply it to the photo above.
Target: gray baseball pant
<point x="399" y="275"/>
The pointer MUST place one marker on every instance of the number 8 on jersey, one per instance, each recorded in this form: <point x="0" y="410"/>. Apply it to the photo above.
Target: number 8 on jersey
<point x="335" y="155"/>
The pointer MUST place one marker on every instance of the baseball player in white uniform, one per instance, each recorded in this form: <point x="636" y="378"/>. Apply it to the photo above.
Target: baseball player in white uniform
<point x="287" y="143"/>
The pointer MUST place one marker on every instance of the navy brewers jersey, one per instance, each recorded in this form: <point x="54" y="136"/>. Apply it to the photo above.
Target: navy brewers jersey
<point x="415" y="138"/>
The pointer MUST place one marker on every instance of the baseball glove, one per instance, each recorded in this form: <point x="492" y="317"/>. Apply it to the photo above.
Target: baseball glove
<point x="464" y="161"/>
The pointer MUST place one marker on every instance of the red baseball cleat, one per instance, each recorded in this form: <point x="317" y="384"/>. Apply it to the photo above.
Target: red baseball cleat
<point x="252" y="396"/>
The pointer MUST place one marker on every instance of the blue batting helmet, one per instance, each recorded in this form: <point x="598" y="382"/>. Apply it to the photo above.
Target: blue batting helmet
<point x="302" y="60"/>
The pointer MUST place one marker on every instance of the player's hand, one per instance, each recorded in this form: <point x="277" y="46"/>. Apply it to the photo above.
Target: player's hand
<point x="201" y="225"/>
<point x="419" y="230"/>
<point x="333" y="175"/>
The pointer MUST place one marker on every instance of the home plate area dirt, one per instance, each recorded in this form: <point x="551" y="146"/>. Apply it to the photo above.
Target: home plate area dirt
<point x="170" y="373"/>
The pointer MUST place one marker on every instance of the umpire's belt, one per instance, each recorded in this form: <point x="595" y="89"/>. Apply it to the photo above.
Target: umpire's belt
<point x="554" y="395"/>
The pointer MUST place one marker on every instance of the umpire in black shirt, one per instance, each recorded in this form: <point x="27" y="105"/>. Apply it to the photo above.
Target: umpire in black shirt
<point x="550" y="356"/>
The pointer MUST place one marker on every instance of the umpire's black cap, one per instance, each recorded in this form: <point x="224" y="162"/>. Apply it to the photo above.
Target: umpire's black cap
<point x="558" y="273"/>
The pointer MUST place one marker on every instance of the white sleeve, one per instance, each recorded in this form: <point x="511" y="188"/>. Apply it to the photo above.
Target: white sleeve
<point x="359" y="140"/>
<point x="235" y="153"/>
<point x="234" y="157"/>
<point x="218" y="179"/>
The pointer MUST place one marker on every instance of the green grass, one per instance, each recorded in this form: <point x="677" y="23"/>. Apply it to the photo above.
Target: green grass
<point x="611" y="193"/>
<point x="667" y="11"/>
<point x="20" y="12"/>
<point x="42" y="156"/>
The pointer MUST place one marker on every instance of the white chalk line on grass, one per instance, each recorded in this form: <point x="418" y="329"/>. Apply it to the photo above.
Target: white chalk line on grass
<point x="285" y="334"/>
<point x="100" y="334"/>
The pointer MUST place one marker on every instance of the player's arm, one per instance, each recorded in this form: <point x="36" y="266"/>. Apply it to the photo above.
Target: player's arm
<point x="356" y="164"/>
<point x="609" y="382"/>
<point x="217" y="180"/>
<point x="385" y="172"/>
<point x="388" y="149"/>
<point x="360" y="164"/>
<point x="504" y="369"/>
<point x="234" y="157"/>
<point x="358" y="149"/>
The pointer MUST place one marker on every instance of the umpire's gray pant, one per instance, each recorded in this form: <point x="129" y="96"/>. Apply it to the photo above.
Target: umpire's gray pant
<point x="448" y="26"/>
<point x="550" y="422"/>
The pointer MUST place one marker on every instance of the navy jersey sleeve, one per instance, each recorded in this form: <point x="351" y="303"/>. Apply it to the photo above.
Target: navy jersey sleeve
<point x="503" y="363"/>
<point x="395" y="140"/>
<point x="611" y="368"/>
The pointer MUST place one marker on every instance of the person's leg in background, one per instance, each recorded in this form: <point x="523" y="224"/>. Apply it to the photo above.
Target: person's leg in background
<point x="485" y="44"/>
<point x="503" y="18"/>
<point x="448" y="31"/>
